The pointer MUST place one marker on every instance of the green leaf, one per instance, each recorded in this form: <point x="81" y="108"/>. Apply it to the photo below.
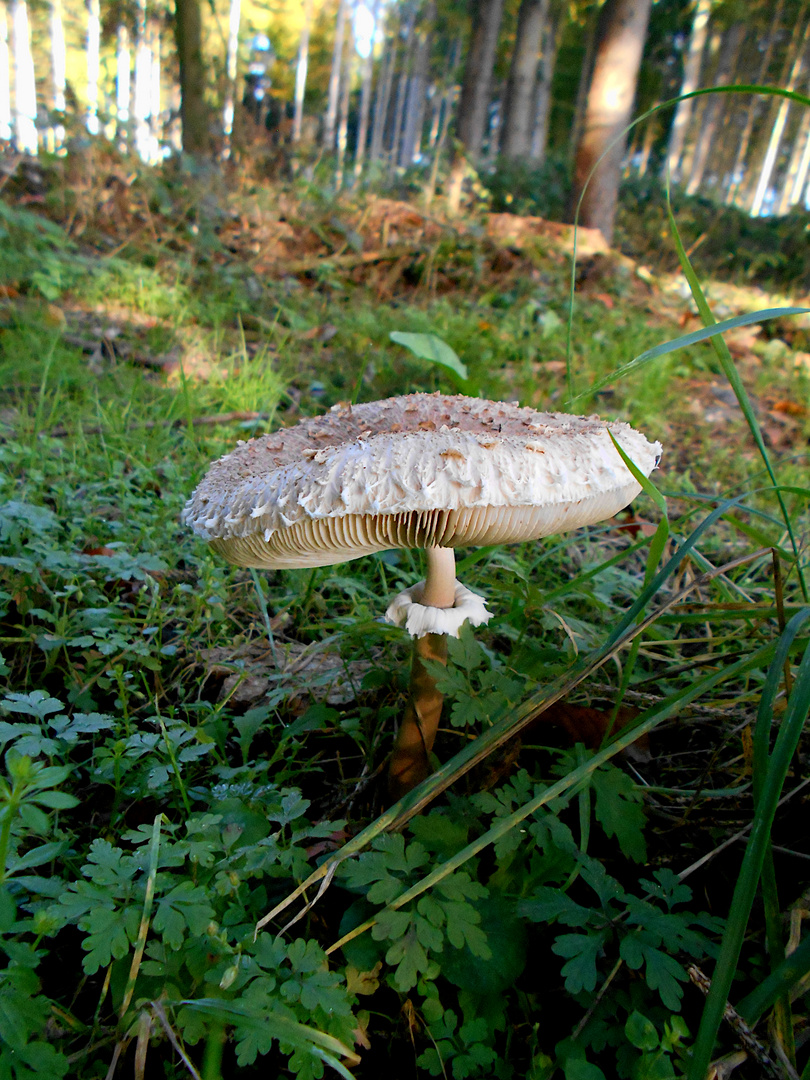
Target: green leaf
<point x="641" y="1032"/>
<point x="430" y="347"/>
<point x="583" y="950"/>
<point x="548" y="905"/>
<point x="580" y="1069"/>
<point x="619" y="812"/>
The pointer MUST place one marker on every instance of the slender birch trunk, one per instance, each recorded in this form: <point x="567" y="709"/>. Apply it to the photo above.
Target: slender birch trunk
<point x="691" y="78"/>
<point x="5" y="77"/>
<point x="230" y="77"/>
<point x="330" y="120"/>
<point x="25" y="87"/>
<point x="520" y="86"/>
<point x="93" y="60"/>
<point x="715" y="104"/>
<point x="792" y="181"/>
<point x="155" y="132"/>
<point x="123" y="67"/>
<point x="542" y="98"/>
<point x="745" y="137"/>
<point x="343" y="107"/>
<point x="800" y="179"/>
<point x="143" y="80"/>
<point x="366" y="74"/>
<point x="417" y="89"/>
<point x="58" y="69"/>
<point x="301" y="72"/>
<point x="383" y="99"/>
<point x="779" y="127"/>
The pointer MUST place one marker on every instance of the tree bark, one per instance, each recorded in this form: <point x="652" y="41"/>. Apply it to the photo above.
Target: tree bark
<point x="402" y="88"/>
<point x="5" y="77"/>
<point x="193" y="107"/>
<point x="230" y="76"/>
<point x="715" y="105"/>
<point x="417" y="89"/>
<point x="519" y="97"/>
<point x="542" y="97"/>
<point x="366" y="74"/>
<point x="691" y="78"/>
<point x="25" y="87"/>
<point x="383" y="97"/>
<point x="301" y="72"/>
<point x="330" y="120"/>
<point x="93" y="59"/>
<point x="779" y="127"/>
<point x="745" y="137"/>
<point x="343" y="108"/>
<point x="473" y="104"/>
<point x="591" y="28"/>
<point x="620" y="43"/>
<point x="122" y="86"/>
<point x="795" y="177"/>
<point x="56" y="133"/>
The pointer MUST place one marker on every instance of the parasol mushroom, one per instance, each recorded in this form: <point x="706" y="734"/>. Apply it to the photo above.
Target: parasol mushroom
<point x="421" y="471"/>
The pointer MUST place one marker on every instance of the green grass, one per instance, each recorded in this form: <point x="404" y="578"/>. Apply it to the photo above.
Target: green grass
<point x="196" y="784"/>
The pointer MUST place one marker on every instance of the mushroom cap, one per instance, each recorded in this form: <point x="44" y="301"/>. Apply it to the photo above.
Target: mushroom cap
<point x="423" y="470"/>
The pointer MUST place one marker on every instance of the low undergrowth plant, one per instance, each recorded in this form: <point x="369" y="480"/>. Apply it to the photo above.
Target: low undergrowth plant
<point x="189" y="753"/>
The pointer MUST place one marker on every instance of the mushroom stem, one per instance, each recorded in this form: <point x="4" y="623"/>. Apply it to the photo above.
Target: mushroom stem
<point x="410" y="760"/>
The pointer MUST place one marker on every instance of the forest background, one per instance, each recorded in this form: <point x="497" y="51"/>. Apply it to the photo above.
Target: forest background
<point x="217" y="219"/>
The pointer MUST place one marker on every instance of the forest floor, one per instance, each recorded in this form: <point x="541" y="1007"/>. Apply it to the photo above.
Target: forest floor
<point x="146" y="324"/>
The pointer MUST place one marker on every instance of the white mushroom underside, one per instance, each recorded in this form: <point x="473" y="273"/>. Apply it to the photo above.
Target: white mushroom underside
<point x="326" y="541"/>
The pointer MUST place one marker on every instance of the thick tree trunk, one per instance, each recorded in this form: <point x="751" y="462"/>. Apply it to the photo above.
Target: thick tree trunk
<point x="473" y="107"/>
<point x="330" y="119"/>
<point x="745" y="137"/>
<point x="620" y="43"/>
<point x="193" y="108"/>
<point x="542" y="96"/>
<point x="25" y="87"/>
<point x="417" y="89"/>
<point x="591" y="27"/>
<point x="691" y="78"/>
<point x="230" y="76"/>
<point x="778" y="128"/>
<point x="301" y="72"/>
<point x="519" y="98"/>
<point x="715" y="105"/>
<point x="5" y="78"/>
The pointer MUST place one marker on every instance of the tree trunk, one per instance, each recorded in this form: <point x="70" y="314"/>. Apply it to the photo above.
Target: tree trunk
<point x="59" y="69"/>
<point x="795" y="177"/>
<point x="581" y="104"/>
<point x="5" y="77"/>
<point x="330" y="119"/>
<point x="473" y="106"/>
<point x="154" y="92"/>
<point x="779" y="126"/>
<point x="620" y="43"/>
<point x="402" y="88"/>
<point x="383" y="98"/>
<point x="230" y="76"/>
<point x="143" y="84"/>
<point x="745" y="137"/>
<point x="93" y="52"/>
<point x="193" y="108"/>
<point x="25" y="87"/>
<point x="715" y="105"/>
<point x="691" y="78"/>
<point x="366" y="74"/>
<point x="301" y="72"/>
<point x="122" y="86"/>
<point x="542" y="96"/>
<point x="519" y="97"/>
<point x="417" y="89"/>
<point x="343" y="109"/>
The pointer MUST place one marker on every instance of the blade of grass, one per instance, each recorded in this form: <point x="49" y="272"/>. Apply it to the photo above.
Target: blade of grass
<point x="780" y="981"/>
<point x="647" y="721"/>
<point x="749" y="875"/>
<point x="736" y="383"/>
<point x="508" y="726"/>
<point x="146" y="916"/>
